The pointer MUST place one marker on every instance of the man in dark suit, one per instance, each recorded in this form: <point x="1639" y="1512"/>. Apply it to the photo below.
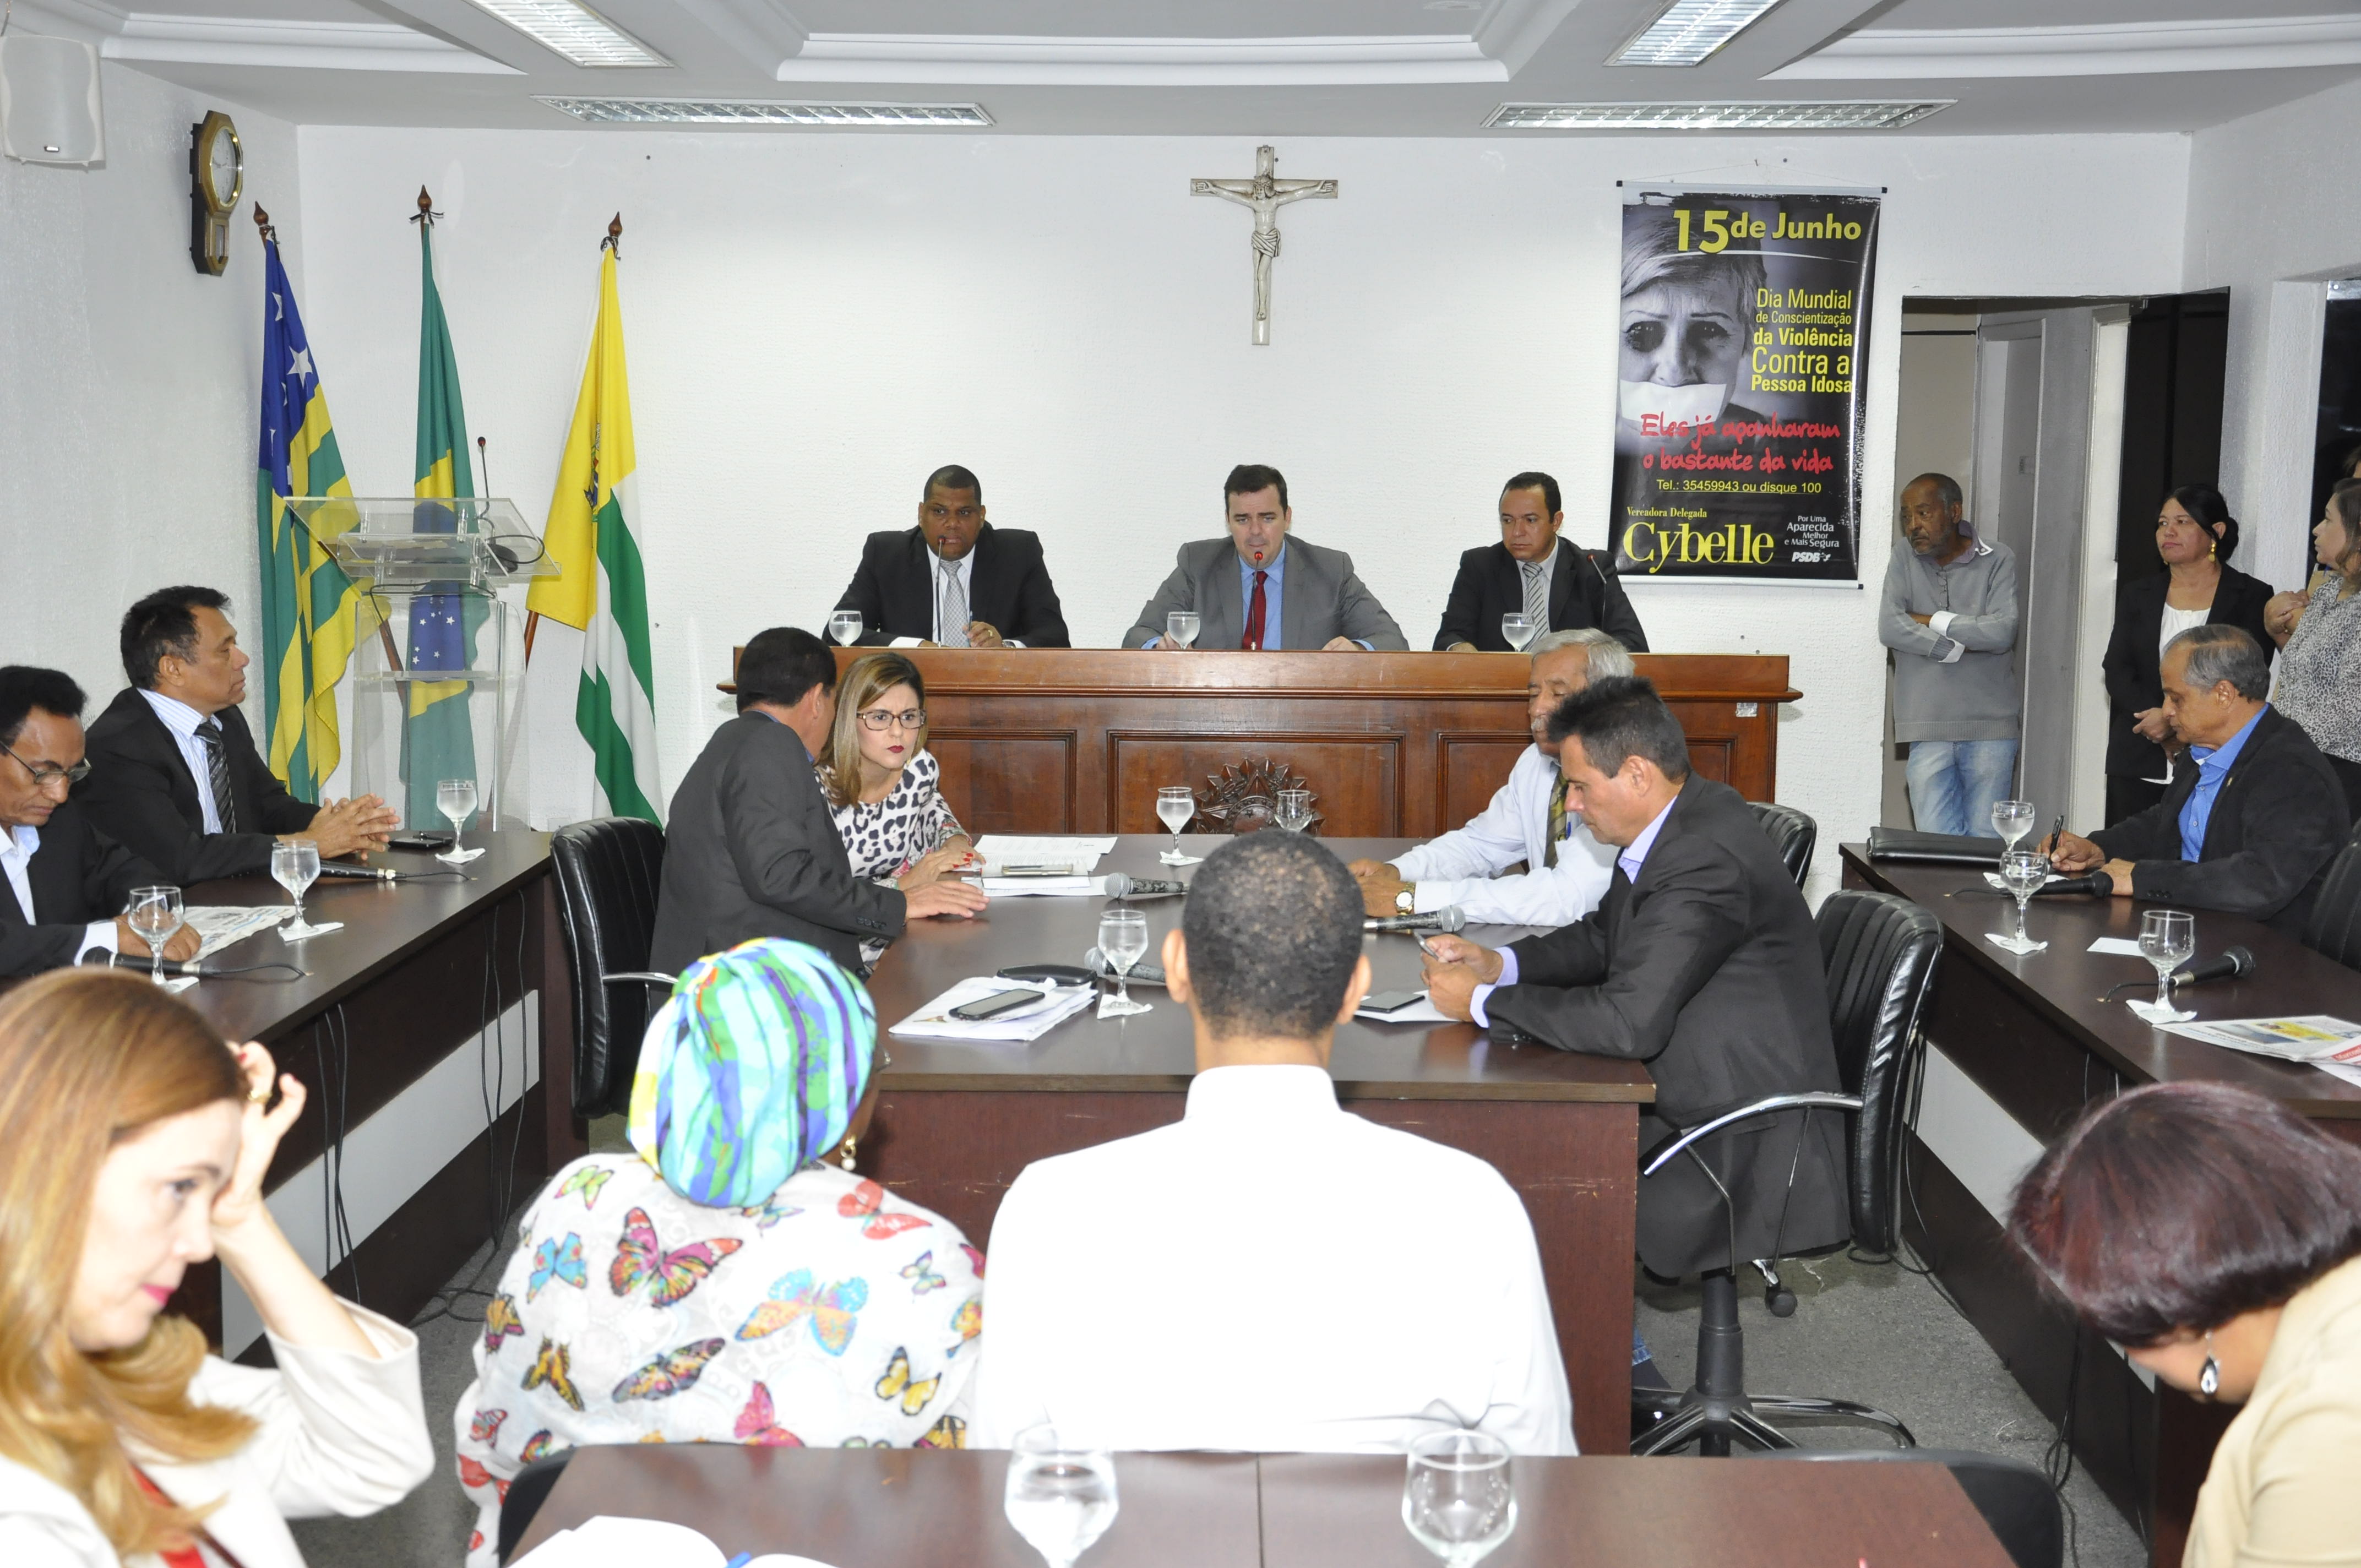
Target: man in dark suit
<point x="1703" y="963"/>
<point x="753" y="849"/>
<point x="1259" y="588"/>
<point x="1560" y="586"/>
<point x="174" y="772"/>
<point x="2255" y="812"/>
<point x="955" y="581"/>
<point x="65" y="883"/>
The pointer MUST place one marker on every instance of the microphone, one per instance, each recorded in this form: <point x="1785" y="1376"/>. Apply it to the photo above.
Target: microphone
<point x="101" y="957"/>
<point x="2235" y="963"/>
<point x="1096" y="962"/>
<point x="368" y="873"/>
<point x="1121" y="886"/>
<point x="2098" y="883"/>
<point x="1449" y="918"/>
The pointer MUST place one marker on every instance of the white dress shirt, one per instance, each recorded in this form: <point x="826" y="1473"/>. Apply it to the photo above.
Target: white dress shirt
<point x="1268" y="1275"/>
<point x="17" y="847"/>
<point x="182" y="721"/>
<point x="1464" y="866"/>
<point x="963" y="571"/>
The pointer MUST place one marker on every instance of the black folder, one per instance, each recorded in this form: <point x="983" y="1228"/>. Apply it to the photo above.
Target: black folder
<point x="1932" y="848"/>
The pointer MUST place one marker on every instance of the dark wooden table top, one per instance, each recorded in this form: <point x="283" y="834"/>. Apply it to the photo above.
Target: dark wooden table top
<point x="2064" y="983"/>
<point x="892" y="1508"/>
<point x="1155" y="1050"/>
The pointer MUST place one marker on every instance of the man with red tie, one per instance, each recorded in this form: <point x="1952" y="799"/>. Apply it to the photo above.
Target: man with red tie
<point x="1260" y="589"/>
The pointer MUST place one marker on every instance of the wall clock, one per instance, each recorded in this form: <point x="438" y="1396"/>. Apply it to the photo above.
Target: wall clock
<point x="216" y="178"/>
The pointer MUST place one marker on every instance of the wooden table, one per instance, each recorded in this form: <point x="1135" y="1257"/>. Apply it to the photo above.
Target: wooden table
<point x="956" y="1124"/>
<point x="901" y="1508"/>
<point x="2032" y="1034"/>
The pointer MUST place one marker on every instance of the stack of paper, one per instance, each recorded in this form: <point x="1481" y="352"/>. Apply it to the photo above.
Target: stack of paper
<point x="605" y="1540"/>
<point x="1042" y="886"/>
<point x="1068" y="856"/>
<point x="2316" y="1037"/>
<point x="222" y="924"/>
<point x="934" y="1022"/>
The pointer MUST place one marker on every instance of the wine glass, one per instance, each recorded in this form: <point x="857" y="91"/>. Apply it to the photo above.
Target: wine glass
<point x="1123" y="942"/>
<point x="2022" y="871"/>
<point x="1180" y="628"/>
<point x="295" y="866"/>
<point x="1294" y="811"/>
<point x="2168" y="937"/>
<point x="1175" y="804"/>
<point x="455" y="799"/>
<point x="1459" y="1501"/>
<point x="2012" y="819"/>
<point x="844" y="625"/>
<point x="156" y="913"/>
<point x="1062" y="1493"/>
<point x="1519" y="629"/>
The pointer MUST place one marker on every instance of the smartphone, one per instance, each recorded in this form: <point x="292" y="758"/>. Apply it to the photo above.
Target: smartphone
<point x="1390" y="1000"/>
<point x="993" y="1006"/>
<point x="415" y="841"/>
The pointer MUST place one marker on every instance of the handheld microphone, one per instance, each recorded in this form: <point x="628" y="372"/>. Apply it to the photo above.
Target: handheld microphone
<point x="1449" y="918"/>
<point x="2235" y="963"/>
<point x="1096" y="962"/>
<point x="1121" y="886"/>
<point x="102" y="958"/>
<point x="365" y="874"/>
<point x="2098" y="883"/>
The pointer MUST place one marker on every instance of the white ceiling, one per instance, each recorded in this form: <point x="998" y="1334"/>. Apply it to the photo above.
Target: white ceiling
<point x="1304" y="67"/>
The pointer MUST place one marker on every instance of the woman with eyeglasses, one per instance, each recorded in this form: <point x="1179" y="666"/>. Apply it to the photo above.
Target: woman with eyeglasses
<point x="884" y="786"/>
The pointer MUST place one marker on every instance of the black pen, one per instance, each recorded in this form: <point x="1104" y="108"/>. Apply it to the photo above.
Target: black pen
<point x="2056" y="830"/>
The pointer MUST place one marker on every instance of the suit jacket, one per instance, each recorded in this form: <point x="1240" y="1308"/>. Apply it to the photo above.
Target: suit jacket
<point x="1583" y="592"/>
<point x="2278" y="821"/>
<point x="1008" y="588"/>
<point x="2132" y="665"/>
<point x="752" y="851"/>
<point x="1707" y="969"/>
<point x="140" y="790"/>
<point x="78" y="875"/>
<point x="1324" y="599"/>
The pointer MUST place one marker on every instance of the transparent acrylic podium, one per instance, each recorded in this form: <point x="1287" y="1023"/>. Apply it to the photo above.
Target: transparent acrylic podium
<point x="438" y="654"/>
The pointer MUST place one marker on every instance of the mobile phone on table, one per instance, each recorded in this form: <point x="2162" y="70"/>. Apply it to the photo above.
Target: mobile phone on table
<point x="993" y="1006"/>
<point x="415" y="841"/>
<point x="1390" y="1000"/>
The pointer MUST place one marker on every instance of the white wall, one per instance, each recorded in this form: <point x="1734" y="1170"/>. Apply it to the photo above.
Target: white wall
<point x="130" y="394"/>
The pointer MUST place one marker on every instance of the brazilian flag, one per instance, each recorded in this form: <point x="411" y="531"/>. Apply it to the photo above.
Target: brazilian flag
<point x="438" y="739"/>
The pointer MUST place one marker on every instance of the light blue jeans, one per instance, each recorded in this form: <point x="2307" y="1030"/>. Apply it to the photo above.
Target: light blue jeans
<point x="1954" y="783"/>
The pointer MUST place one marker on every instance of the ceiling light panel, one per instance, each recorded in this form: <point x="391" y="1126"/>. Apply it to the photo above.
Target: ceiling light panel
<point x="733" y="112"/>
<point x="1687" y="32"/>
<point x="574" y="31"/>
<point x="1850" y="116"/>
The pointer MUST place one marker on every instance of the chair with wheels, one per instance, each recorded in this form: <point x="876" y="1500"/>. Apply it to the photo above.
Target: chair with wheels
<point x="2335" y="928"/>
<point x="2015" y="1498"/>
<point x="1881" y="954"/>
<point x="608" y="872"/>
<point x="1795" y="834"/>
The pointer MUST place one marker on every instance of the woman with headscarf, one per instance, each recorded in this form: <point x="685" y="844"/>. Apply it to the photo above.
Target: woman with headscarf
<point x="735" y="1279"/>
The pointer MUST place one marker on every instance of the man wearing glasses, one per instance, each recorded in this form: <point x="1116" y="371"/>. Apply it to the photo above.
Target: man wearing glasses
<point x="65" y="878"/>
<point x="955" y="581"/>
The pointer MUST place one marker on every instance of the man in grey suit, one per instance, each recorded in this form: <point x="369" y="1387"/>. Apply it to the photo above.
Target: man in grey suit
<point x="1259" y="588"/>
<point x="753" y="849"/>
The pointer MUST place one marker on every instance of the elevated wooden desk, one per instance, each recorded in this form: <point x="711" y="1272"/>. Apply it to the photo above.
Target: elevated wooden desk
<point x="956" y="1124"/>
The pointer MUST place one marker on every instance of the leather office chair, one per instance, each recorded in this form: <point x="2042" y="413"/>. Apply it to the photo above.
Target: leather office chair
<point x="2016" y="1498"/>
<point x="2335" y="928"/>
<point x="608" y="872"/>
<point x="1795" y="834"/>
<point x="527" y="1493"/>
<point x="1881" y="954"/>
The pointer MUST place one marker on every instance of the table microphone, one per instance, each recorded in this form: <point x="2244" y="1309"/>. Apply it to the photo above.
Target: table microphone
<point x="1151" y="973"/>
<point x="1449" y="918"/>
<point x="2099" y="884"/>
<point x="1118" y="885"/>
<point x="173" y="966"/>
<point x="2235" y="963"/>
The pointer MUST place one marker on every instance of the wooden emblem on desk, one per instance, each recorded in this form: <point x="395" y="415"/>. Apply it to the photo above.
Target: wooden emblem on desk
<point x="1244" y="797"/>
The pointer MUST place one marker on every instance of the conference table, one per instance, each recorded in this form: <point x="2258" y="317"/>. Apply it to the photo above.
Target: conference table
<point x="2019" y="1046"/>
<point x="920" y="1508"/>
<point x="956" y="1123"/>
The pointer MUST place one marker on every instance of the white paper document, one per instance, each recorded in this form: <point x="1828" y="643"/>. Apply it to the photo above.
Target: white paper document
<point x="1077" y="856"/>
<point x="222" y="924"/>
<point x="934" y="1022"/>
<point x="2120" y="947"/>
<point x="605" y="1540"/>
<point x="1422" y="1011"/>
<point x="2314" y="1038"/>
<point x="1041" y="886"/>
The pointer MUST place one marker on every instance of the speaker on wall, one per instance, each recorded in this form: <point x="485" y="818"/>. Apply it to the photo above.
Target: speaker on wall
<point x="49" y="101"/>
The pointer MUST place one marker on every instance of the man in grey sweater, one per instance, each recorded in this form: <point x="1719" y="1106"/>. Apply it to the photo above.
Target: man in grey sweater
<point x="1949" y="615"/>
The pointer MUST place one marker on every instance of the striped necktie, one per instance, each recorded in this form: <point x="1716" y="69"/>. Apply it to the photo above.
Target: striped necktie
<point x="1536" y="595"/>
<point x="217" y="774"/>
<point x="1556" y="824"/>
<point x="954" y="613"/>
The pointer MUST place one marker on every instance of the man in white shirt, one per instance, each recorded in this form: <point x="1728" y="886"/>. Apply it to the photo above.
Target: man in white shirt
<point x="1270" y="1274"/>
<point x="1567" y="869"/>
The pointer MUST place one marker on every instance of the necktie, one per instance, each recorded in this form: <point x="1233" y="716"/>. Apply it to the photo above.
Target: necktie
<point x="1556" y="824"/>
<point x="954" y="598"/>
<point x="1253" y="637"/>
<point x="1536" y="595"/>
<point x="217" y="774"/>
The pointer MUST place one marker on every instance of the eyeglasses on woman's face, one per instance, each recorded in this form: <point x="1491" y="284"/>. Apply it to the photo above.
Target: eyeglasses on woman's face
<point x="881" y="719"/>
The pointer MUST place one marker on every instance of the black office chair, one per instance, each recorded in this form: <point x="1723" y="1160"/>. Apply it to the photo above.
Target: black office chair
<point x="1881" y="954"/>
<point x="2335" y="928"/>
<point x="526" y="1494"/>
<point x="1795" y="834"/>
<point x="608" y="872"/>
<point x="2016" y="1498"/>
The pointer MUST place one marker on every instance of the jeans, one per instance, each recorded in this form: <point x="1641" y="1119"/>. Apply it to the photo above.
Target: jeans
<point x="1954" y="783"/>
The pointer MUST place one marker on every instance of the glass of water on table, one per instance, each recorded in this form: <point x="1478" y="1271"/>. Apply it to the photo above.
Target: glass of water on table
<point x="295" y="866"/>
<point x="1123" y="942"/>
<point x="1061" y="1495"/>
<point x="1175" y="804"/>
<point x="1459" y="1500"/>
<point x="155" y="913"/>
<point x="1180" y="628"/>
<point x="2012" y="820"/>
<point x="455" y="799"/>
<point x="2168" y="939"/>
<point x="844" y="625"/>
<point x="1518" y="629"/>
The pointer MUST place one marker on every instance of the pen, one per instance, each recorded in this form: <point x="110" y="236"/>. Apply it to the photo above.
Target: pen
<point x="2056" y="830"/>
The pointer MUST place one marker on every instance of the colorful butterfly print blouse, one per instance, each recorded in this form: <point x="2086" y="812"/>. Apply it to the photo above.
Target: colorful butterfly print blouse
<point x="831" y="1314"/>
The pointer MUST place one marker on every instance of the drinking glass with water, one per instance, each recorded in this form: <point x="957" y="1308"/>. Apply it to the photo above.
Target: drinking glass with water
<point x="1459" y="1500"/>
<point x="1062" y="1493"/>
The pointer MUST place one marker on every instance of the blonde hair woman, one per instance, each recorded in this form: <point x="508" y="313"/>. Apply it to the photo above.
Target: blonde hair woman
<point x="133" y="1143"/>
<point x="884" y="786"/>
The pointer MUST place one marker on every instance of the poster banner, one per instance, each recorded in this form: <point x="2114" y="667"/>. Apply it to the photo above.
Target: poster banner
<point x="1740" y="348"/>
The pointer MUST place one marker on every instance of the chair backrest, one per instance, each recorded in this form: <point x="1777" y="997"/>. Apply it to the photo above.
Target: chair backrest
<point x="2336" y="926"/>
<point x="608" y="872"/>
<point x="1880" y="953"/>
<point x="2016" y="1499"/>
<point x="1792" y="831"/>
<point x="525" y="1495"/>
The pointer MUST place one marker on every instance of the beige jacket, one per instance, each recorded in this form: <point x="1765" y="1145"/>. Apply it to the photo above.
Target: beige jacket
<point x="2283" y="1489"/>
<point x="338" y="1434"/>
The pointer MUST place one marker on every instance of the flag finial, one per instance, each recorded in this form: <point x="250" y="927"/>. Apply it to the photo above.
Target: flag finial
<point x="426" y="213"/>
<point x="614" y="240"/>
<point x="263" y="225"/>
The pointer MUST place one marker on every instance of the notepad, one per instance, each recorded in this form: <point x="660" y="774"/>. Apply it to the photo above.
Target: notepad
<point x="608" y="1540"/>
<point x="934" y="1022"/>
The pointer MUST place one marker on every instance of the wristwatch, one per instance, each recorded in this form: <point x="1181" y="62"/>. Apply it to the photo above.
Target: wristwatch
<point x="1406" y="901"/>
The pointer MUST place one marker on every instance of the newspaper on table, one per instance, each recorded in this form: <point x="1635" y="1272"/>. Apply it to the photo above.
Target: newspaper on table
<point x="1070" y="855"/>
<point x="934" y="1022"/>
<point x="2315" y="1038"/>
<point x="221" y="925"/>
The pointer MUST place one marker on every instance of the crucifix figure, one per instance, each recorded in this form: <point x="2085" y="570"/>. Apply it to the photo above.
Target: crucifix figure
<point x="1266" y="193"/>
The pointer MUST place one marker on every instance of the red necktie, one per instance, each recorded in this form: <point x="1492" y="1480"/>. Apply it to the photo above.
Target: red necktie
<point x="1254" y="615"/>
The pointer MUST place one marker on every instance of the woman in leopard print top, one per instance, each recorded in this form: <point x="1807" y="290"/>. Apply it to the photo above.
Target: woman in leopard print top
<point x="884" y="786"/>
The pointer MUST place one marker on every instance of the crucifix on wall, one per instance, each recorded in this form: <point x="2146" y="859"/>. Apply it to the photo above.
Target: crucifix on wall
<point x="1264" y="193"/>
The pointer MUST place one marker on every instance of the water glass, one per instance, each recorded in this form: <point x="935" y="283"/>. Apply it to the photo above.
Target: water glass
<point x="1180" y="628"/>
<point x="295" y="866"/>
<point x="1175" y="804"/>
<point x="1123" y="942"/>
<point x="2168" y="938"/>
<point x="1061" y="1495"/>
<point x="156" y="913"/>
<point x="1294" y="811"/>
<point x="2012" y="819"/>
<point x="455" y="799"/>
<point x="1519" y="629"/>
<point x="844" y="625"/>
<point x="2022" y="871"/>
<point x="1459" y="1500"/>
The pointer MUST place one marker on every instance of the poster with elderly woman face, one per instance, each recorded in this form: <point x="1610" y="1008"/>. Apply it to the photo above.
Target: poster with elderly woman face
<point x="1739" y="347"/>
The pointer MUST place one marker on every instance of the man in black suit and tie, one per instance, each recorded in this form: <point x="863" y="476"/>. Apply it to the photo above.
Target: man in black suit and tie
<point x="1703" y="963"/>
<point x="66" y="883"/>
<point x="174" y="772"/>
<point x="1561" y="587"/>
<point x="955" y="581"/>
<point x="753" y="848"/>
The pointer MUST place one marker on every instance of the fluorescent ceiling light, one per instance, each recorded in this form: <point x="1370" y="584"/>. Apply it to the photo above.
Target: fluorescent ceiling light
<point x="732" y="112"/>
<point x="1687" y="32"/>
<point x="572" y="29"/>
<point x="1854" y="117"/>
